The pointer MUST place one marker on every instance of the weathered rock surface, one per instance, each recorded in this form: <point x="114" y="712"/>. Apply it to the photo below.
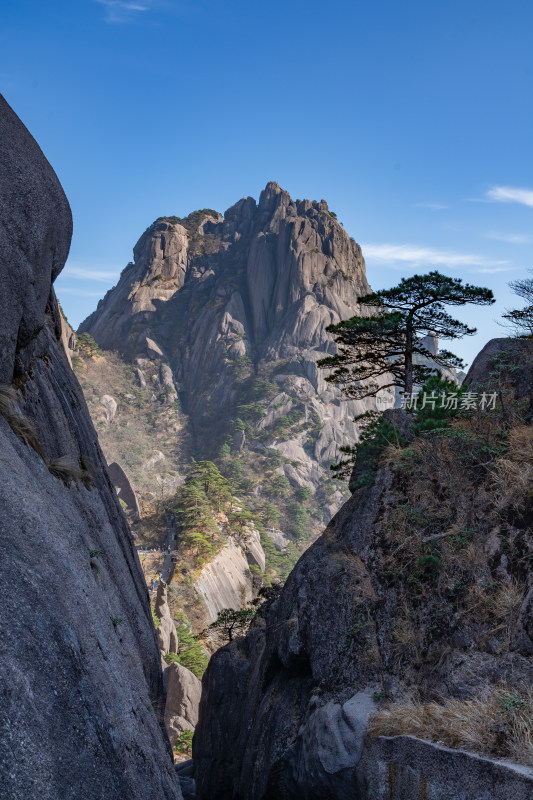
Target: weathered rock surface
<point x="166" y="632"/>
<point x="79" y="663"/>
<point x="184" y="691"/>
<point x="110" y="407"/>
<point x="253" y="289"/>
<point x="185" y="772"/>
<point x="498" y="352"/>
<point x="361" y="617"/>
<point x="226" y="581"/>
<point x="254" y="552"/>
<point x="124" y="488"/>
<point x="68" y="337"/>
<point x="482" y="366"/>
<point x="278" y="538"/>
<point x="411" y="769"/>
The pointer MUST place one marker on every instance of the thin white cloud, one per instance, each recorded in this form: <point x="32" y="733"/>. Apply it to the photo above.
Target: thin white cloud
<point x="398" y="255"/>
<point x="77" y="292"/>
<point x="431" y="206"/>
<point x="121" y="10"/>
<point x="511" y="194"/>
<point x="86" y="273"/>
<point x="491" y="270"/>
<point x="509" y="238"/>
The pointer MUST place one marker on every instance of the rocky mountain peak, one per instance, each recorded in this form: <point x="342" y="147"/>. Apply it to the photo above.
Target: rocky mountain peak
<point x="220" y="298"/>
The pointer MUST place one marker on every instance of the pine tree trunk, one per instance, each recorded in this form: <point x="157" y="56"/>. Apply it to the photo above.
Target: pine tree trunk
<point x="408" y="388"/>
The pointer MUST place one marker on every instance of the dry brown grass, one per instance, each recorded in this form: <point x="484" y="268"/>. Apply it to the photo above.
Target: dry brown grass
<point x="19" y="424"/>
<point x="511" y="481"/>
<point x="66" y="471"/>
<point x="501" y="725"/>
<point x="403" y="632"/>
<point x="512" y="476"/>
<point x="507" y="601"/>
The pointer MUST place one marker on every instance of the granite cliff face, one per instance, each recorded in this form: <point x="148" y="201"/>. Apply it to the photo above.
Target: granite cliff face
<point x="212" y="300"/>
<point x="414" y="605"/>
<point x="82" y="691"/>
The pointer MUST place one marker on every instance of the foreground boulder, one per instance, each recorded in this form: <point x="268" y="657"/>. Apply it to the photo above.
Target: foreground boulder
<point x="81" y="684"/>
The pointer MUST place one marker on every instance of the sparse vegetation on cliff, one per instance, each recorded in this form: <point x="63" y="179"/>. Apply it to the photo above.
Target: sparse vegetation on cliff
<point x="17" y="421"/>
<point x="499" y="725"/>
<point x="190" y="652"/>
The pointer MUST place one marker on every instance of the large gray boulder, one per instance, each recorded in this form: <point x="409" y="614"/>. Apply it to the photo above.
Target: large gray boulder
<point x="481" y="371"/>
<point x="124" y="488"/>
<point x="483" y="374"/>
<point x="184" y="691"/>
<point x="166" y="631"/>
<point x="225" y="582"/>
<point x="81" y="695"/>
<point x="35" y="232"/>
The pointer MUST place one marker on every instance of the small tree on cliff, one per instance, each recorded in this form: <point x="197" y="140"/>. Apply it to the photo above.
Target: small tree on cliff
<point x="208" y="478"/>
<point x="388" y="343"/>
<point x="521" y="319"/>
<point x="88" y="345"/>
<point x="230" y="623"/>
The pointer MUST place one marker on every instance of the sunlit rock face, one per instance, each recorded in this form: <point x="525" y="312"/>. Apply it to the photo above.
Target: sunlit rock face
<point x="255" y="289"/>
<point x="79" y="663"/>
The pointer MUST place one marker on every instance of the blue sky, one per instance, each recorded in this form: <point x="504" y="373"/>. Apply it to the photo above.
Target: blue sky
<point x="414" y="120"/>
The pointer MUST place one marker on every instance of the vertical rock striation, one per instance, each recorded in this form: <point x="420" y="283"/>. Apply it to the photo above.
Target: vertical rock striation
<point x="212" y="296"/>
<point x="82" y="693"/>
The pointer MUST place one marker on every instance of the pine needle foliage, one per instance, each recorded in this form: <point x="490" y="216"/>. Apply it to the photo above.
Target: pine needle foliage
<point x="384" y="348"/>
<point x="521" y="319"/>
<point x="190" y="651"/>
<point x="204" y="493"/>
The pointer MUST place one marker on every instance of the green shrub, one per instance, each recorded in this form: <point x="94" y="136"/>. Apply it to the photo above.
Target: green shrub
<point x="429" y="418"/>
<point x="377" y="433"/>
<point x="303" y="493"/>
<point x="184" y="743"/>
<point x="88" y="346"/>
<point x="299" y="521"/>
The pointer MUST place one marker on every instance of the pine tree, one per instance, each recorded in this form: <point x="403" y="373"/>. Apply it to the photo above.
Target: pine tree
<point x="521" y="319"/>
<point x="270" y="514"/>
<point x="190" y="652"/>
<point x="215" y="487"/>
<point x="194" y="510"/>
<point x="240" y="522"/>
<point x="382" y="349"/>
<point x="88" y="345"/>
<point x="199" y="532"/>
<point x="230" y="623"/>
<point x="299" y="521"/>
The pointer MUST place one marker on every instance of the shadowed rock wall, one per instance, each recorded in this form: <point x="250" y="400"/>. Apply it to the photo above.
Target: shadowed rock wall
<point x="81" y="686"/>
<point x="284" y="710"/>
